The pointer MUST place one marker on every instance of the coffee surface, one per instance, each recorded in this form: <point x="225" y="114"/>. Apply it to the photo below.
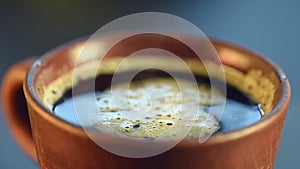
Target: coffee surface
<point x="150" y="107"/>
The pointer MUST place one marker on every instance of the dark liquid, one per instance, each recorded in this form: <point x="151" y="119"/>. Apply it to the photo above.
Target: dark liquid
<point x="240" y="110"/>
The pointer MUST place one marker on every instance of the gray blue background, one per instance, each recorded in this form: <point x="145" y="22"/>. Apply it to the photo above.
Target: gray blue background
<point x="272" y="27"/>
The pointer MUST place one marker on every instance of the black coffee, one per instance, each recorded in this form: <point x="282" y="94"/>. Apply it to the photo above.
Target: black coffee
<point x="240" y="110"/>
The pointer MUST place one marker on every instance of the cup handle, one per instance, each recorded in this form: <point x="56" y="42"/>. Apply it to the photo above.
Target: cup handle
<point x="15" y="107"/>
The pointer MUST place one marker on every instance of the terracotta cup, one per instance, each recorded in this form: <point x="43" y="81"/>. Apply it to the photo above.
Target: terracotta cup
<point x="54" y="143"/>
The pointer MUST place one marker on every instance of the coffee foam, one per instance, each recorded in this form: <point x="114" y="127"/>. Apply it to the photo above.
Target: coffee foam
<point x="149" y="108"/>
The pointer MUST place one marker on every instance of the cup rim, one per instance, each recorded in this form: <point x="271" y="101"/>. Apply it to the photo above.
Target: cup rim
<point x="283" y="102"/>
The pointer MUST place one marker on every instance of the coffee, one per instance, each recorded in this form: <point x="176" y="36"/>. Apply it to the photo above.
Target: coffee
<point x="162" y="109"/>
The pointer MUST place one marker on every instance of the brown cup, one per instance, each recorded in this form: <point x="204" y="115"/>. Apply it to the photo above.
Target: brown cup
<point x="55" y="143"/>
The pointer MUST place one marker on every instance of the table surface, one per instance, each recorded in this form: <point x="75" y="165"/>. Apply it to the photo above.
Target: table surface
<point x="269" y="27"/>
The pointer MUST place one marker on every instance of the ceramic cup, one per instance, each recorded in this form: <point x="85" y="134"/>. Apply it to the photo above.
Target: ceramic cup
<point x="55" y="143"/>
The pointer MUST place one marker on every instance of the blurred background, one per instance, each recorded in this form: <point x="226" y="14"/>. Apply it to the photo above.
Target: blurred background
<point x="30" y="28"/>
